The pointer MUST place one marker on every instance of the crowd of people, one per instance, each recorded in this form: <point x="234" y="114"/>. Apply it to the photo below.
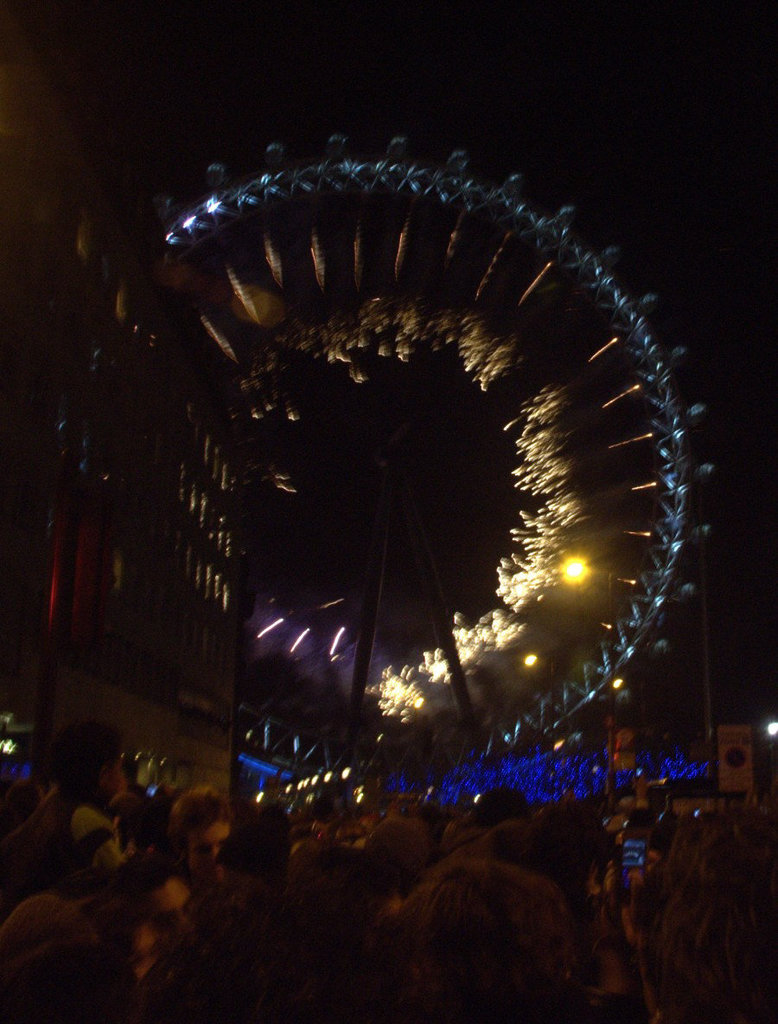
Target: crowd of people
<point x="125" y="908"/>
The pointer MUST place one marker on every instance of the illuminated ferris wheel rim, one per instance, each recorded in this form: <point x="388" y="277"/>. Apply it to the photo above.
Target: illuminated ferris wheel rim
<point x="551" y="235"/>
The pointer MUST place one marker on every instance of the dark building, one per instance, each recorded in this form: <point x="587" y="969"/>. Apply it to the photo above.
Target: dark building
<point x="119" y="484"/>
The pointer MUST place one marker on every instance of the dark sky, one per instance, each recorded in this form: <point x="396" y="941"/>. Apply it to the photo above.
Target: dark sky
<point x="659" y="127"/>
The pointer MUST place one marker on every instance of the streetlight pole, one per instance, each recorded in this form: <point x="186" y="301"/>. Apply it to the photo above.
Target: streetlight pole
<point x="576" y="570"/>
<point x="613" y="686"/>
<point x="772" y="732"/>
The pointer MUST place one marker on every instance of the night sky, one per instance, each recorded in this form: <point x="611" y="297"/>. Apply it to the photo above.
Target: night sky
<point x="660" y="129"/>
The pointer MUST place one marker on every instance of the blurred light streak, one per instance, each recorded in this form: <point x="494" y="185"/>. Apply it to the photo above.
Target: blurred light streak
<point x="535" y="283"/>
<point x="632" y="440"/>
<point x="338" y="635"/>
<point x="299" y="639"/>
<point x="599" y="352"/>
<point x="629" y="391"/>
<point x="268" y="628"/>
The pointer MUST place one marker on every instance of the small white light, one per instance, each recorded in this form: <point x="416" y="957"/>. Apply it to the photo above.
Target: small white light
<point x="345" y="773"/>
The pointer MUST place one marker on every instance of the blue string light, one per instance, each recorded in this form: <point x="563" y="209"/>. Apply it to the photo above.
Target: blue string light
<point x="544" y="778"/>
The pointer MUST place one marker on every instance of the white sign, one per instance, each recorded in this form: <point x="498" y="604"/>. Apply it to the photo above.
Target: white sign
<point x="736" y="761"/>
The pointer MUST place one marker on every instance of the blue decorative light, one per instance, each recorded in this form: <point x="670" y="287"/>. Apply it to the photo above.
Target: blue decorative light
<point x="544" y="778"/>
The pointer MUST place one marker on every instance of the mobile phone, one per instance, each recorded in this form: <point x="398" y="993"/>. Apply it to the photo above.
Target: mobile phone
<point x="633" y="858"/>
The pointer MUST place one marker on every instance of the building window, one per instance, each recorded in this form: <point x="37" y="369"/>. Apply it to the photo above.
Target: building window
<point x="95" y="353"/>
<point x="85" y="239"/>
<point x="121" y="307"/>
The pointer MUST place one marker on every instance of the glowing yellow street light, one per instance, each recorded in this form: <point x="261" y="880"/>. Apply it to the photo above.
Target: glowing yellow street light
<point x="617" y="683"/>
<point x="530" y="660"/>
<point x="575" y="570"/>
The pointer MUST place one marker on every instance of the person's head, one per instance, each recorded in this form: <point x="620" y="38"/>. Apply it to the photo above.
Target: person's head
<point x="566" y="842"/>
<point x="260" y="846"/>
<point x="152" y="826"/>
<point x="216" y="970"/>
<point x="66" y="981"/>
<point x="328" y="958"/>
<point x="715" y="939"/>
<point x="86" y="761"/>
<point x="403" y="843"/>
<point x="498" y="805"/>
<point x="23" y="797"/>
<point x="200" y="822"/>
<point x="486" y="940"/>
<point x="142" y="911"/>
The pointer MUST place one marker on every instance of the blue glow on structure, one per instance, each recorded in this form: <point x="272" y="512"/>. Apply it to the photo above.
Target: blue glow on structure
<point x="263" y="769"/>
<point x="543" y="778"/>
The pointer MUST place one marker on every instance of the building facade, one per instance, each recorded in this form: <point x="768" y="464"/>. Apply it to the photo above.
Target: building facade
<point x="119" y="483"/>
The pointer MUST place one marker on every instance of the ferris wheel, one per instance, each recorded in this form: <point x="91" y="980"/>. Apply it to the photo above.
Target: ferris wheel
<point x="347" y="262"/>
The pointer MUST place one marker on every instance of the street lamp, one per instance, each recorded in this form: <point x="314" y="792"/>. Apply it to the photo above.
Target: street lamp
<point x="610" y="791"/>
<point x="532" y="661"/>
<point x="772" y="732"/>
<point x="576" y="570"/>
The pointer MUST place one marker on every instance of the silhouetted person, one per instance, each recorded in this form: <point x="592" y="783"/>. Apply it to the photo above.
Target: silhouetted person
<point x="71" y="830"/>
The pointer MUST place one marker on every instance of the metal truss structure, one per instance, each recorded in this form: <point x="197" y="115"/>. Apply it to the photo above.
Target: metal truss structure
<point x="204" y="234"/>
<point x="299" y="753"/>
